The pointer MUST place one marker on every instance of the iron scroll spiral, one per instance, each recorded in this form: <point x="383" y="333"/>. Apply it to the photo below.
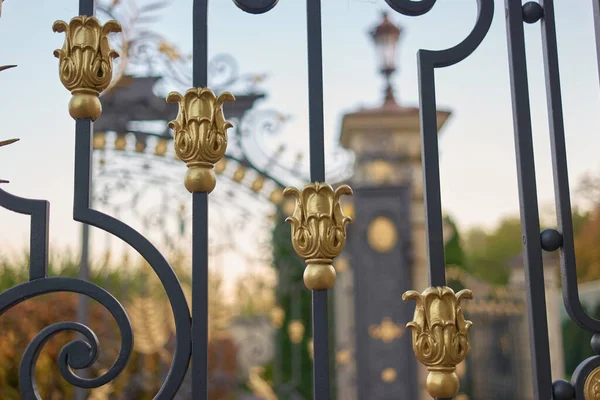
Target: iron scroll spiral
<point x="77" y="354"/>
<point x="179" y="306"/>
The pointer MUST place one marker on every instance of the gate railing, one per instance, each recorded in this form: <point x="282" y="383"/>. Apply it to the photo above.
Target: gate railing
<point x="440" y="332"/>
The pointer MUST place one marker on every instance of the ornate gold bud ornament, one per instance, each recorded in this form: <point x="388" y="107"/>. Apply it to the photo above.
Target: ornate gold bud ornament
<point x="86" y="63"/>
<point x="318" y="231"/>
<point x="200" y="135"/>
<point x="440" y="336"/>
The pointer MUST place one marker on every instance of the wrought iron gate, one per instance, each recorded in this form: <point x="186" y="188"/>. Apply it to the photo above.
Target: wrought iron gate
<point x="440" y="332"/>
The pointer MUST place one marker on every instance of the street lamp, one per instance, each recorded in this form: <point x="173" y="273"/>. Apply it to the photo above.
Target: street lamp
<point x="386" y="35"/>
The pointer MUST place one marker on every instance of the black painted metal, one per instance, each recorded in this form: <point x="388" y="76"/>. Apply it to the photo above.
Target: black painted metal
<point x="561" y="176"/>
<point x="321" y="344"/>
<point x="200" y="224"/>
<point x="200" y="296"/>
<point x="321" y="386"/>
<point x="596" y="8"/>
<point x="87" y="7"/>
<point x="192" y="332"/>
<point x="315" y="90"/>
<point x="429" y="60"/>
<point x="82" y="213"/>
<point x="200" y="43"/>
<point x="38" y="242"/>
<point x="532" y="250"/>
<point x="256" y="6"/>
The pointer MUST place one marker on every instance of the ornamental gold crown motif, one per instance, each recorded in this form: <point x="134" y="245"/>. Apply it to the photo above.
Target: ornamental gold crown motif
<point x="86" y="62"/>
<point x="200" y="134"/>
<point x="318" y="230"/>
<point x="440" y="336"/>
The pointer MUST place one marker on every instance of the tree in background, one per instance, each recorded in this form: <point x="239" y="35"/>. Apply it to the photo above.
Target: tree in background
<point x="488" y="253"/>
<point x="295" y="301"/>
<point x="453" y="251"/>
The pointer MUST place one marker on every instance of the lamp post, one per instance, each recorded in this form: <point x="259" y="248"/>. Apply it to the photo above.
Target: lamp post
<point x="386" y="35"/>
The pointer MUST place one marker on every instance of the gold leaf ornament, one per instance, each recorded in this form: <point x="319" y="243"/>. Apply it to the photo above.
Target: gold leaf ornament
<point x="440" y="336"/>
<point x="200" y="134"/>
<point x="318" y="230"/>
<point x="86" y="62"/>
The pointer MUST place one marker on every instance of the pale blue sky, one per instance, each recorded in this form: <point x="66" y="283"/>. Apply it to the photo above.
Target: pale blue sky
<point x="479" y="182"/>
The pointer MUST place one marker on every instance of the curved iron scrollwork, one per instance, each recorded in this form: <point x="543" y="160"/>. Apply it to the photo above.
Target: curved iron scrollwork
<point x="80" y="354"/>
<point x="428" y="60"/>
<point x="442" y="381"/>
<point x="412" y="8"/>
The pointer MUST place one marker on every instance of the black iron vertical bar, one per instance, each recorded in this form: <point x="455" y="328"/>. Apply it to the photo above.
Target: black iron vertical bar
<point x="200" y="296"/>
<point x="315" y="91"/>
<point x="38" y="242"/>
<point x="596" y="7"/>
<point x="532" y="251"/>
<point x="87" y="7"/>
<point x="320" y="344"/>
<point x="200" y="44"/>
<point x="560" y="172"/>
<point x="83" y="174"/>
<point x="200" y="223"/>
<point x="81" y="201"/>
<point x="317" y="174"/>
<point x="431" y="172"/>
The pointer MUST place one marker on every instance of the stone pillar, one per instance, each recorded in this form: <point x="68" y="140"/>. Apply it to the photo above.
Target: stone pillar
<point x="385" y="256"/>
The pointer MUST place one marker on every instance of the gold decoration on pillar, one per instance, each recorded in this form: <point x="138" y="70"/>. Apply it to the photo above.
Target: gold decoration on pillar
<point x="296" y="331"/>
<point x="591" y="386"/>
<point x="389" y="375"/>
<point x="387" y="332"/>
<point x="120" y="142"/>
<point x="5" y="143"/>
<point x="277" y="317"/>
<point x="99" y="142"/>
<point x="86" y="63"/>
<point x="200" y="135"/>
<point x="310" y="347"/>
<point x="440" y="336"/>
<point x="161" y="147"/>
<point x="318" y="230"/>
<point x="343" y="357"/>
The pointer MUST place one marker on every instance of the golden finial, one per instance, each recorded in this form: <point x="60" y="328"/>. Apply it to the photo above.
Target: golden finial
<point x="5" y="143"/>
<point x="440" y="336"/>
<point x="85" y="63"/>
<point x="318" y="231"/>
<point x="200" y="135"/>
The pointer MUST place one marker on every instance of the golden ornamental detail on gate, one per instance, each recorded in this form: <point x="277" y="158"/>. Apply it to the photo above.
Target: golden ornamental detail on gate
<point x="200" y="134"/>
<point x="440" y="336"/>
<point x="86" y="62"/>
<point x="318" y="230"/>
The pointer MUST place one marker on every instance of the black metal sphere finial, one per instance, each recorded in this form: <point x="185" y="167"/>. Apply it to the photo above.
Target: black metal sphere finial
<point x="551" y="239"/>
<point x="532" y="12"/>
<point x="562" y="390"/>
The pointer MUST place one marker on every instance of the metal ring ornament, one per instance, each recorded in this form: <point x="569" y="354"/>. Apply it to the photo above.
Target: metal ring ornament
<point x="411" y="8"/>
<point x="588" y="369"/>
<point x="256" y="6"/>
<point x="76" y="354"/>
